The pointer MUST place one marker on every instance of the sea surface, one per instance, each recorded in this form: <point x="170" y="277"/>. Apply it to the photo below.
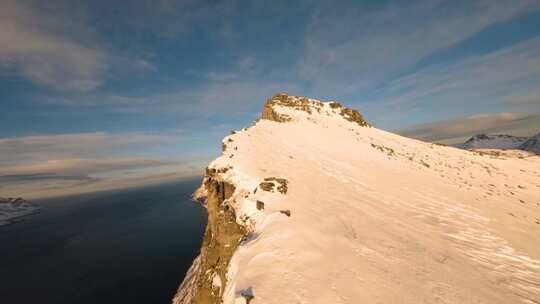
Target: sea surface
<point x="123" y="246"/>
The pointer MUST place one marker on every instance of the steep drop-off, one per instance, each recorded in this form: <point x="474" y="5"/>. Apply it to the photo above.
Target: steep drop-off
<point x="313" y="205"/>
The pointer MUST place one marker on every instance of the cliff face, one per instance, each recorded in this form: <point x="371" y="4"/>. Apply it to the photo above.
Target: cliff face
<point x="313" y="205"/>
<point x="205" y="280"/>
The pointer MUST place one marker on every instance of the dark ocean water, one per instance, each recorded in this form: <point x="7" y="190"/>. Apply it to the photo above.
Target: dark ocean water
<point x="128" y="246"/>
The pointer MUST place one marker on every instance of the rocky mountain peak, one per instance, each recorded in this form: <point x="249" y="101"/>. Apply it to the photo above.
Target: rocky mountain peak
<point x="273" y="109"/>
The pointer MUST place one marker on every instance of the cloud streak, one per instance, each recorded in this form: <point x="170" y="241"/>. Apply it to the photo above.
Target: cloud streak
<point x="79" y="145"/>
<point x="369" y="45"/>
<point x="456" y="130"/>
<point x="32" y="44"/>
<point x="81" y="167"/>
<point x="51" y="165"/>
<point x="504" y="79"/>
<point x="88" y="175"/>
<point x="37" y="166"/>
<point x="507" y="75"/>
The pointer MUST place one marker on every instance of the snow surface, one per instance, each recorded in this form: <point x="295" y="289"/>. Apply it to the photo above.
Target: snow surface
<point x="11" y="209"/>
<point x="379" y="218"/>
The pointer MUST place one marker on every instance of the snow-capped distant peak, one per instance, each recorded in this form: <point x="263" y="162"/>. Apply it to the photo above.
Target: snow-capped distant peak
<point x="532" y="144"/>
<point x="12" y="208"/>
<point x="495" y="141"/>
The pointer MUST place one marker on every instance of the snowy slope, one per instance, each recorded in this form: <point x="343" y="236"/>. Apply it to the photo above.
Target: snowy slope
<point x="12" y="208"/>
<point x="532" y="144"/>
<point x="495" y="141"/>
<point x="376" y="217"/>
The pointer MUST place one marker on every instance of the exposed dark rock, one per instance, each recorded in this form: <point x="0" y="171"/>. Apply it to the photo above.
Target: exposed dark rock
<point x="222" y="236"/>
<point x="260" y="205"/>
<point x="270" y="182"/>
<point x="385" y="149"/>
<point x="267" y="186"/>
<point x="354" y="116"/>
<point x="286" y="212"/>
<point x="268" y="113"/>
<point x="282" y="183"/>
<point x="224" y="169"/>
<point x="335" y="105"/>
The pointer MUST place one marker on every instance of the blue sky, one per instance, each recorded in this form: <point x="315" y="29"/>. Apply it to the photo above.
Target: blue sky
<point x="140" y="82"/>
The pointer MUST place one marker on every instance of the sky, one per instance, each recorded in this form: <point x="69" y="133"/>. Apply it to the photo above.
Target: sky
<point x="96" y="94"/>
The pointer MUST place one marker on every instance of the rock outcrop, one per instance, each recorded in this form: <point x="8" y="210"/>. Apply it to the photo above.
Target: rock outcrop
<point x="283" y="100"/>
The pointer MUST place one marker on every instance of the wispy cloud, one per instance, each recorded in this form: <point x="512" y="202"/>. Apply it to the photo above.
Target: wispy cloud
<point x="456" y="130"/>
<point x="54" y="46"/>
<point x="358" y="47"/>
<point x="219" y="96"/>
<point x="87" y="175"/>
<point x="507" y="79"/>
<point x="79" y="145"/>
<point x="81" y="167"/>
<point x="34" y="44"/>
<point x="507" y="75"/>
<point x="69" y="163"/>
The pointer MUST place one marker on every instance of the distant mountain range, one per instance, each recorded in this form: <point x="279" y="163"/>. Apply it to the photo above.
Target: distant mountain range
<point x="502" y="141"/>
<point x="532" y="144"/>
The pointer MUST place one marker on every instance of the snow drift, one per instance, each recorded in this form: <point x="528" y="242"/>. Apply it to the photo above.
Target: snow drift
<point x="313" y="205"/>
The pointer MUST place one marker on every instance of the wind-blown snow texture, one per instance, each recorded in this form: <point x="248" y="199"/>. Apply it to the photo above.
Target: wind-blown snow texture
<point x="377" y="218"/>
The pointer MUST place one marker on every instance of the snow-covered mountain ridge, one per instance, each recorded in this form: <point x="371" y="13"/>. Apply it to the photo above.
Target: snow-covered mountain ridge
<point x="532" y="144"/>
<point x="495" y="141"/>
<point x="312" y="205"/>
